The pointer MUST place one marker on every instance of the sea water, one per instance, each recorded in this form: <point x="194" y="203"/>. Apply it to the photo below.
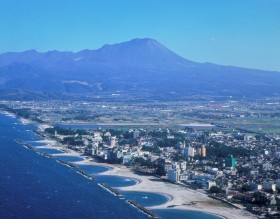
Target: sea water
<point x="115" y="181"/>
<point x="146" y="199"/>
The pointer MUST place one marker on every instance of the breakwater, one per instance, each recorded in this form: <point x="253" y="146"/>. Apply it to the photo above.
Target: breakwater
<point x="110" y="189"/>
<point x="28" y="146"/>
<point x="77" y="169"/>
<point x="37" y="132"/>
<point x="44" y="154"/>
<point x="71" y="165"/>
<point x="133" y="203"/>
<point x="143" y="209"/>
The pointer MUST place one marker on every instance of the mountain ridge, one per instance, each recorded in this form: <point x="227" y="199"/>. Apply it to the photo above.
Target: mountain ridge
<point x="133" y="67"/>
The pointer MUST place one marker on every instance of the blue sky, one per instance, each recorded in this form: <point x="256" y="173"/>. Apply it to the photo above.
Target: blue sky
<point x="242" y="33"/>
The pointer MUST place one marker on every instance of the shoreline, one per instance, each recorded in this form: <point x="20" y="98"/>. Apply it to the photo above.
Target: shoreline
<point x="181" y="198"/>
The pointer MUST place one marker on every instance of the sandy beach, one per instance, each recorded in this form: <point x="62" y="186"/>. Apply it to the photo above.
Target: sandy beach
<point x="179" y="197"/>
<point x="40" y="126"/>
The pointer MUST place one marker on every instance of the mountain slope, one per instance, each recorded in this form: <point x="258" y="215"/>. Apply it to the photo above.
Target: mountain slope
<point x="137" y="53"/>
<point x="136" y="68"/>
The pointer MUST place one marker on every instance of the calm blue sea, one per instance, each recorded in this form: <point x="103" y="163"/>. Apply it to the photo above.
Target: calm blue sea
<point x="33" y="186"/>
<point x="146" y="199"/>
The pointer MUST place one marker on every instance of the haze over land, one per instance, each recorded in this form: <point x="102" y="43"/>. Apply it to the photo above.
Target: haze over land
<point x="138" y="68"/>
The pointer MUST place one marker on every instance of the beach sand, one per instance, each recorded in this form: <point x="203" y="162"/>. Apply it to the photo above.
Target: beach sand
<point x="40" y="126"/>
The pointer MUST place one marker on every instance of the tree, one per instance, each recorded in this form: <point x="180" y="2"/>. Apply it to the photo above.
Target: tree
<point x="246" y="188"/>
<point x="219" y="150"/>
<point x="116" y="132"/>
<point x="260" y="198"/>
<point x="243" y="171"/>
<point x="160" y="171"/>
<point x="154" y="149"/>
<point x="142" y="162"/>
<point x="73" y="141"/>
<point x="215" y="189"/>
<point x="60" y="131"/>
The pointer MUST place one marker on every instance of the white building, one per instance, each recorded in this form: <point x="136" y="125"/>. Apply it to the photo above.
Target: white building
<point x="94" y="150"/>
<point x="269" y="186"/>
<point x="183" y="165"/>
<point x="210" y="184"/>
<point x="278" y="184"/>
<point x="152" y="158"/>
<point x="126" y="159"/>
<point x="96" y="134"/>
<point x="183" y="177"/>
<point x="188" y="151"/>
<point x="113" y="142"/>
<point x="136" y="134"/>
<point x="107" y="134"/>
<point x="249" y="138"/>
<point x="173" y="175"/>
<point x="267" y="166"/>
<point x="176" y="165"/>
<point x="181" y="145"/>
<point x="97" y="139"/>
<point x="191" y="151"/>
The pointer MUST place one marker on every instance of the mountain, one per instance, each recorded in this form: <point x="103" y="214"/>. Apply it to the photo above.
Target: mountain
<point x="137" y="53"/>
<point x="139" y="68"/>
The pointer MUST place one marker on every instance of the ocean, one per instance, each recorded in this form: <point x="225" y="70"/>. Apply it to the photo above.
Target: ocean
<point x="34" y="186"/>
